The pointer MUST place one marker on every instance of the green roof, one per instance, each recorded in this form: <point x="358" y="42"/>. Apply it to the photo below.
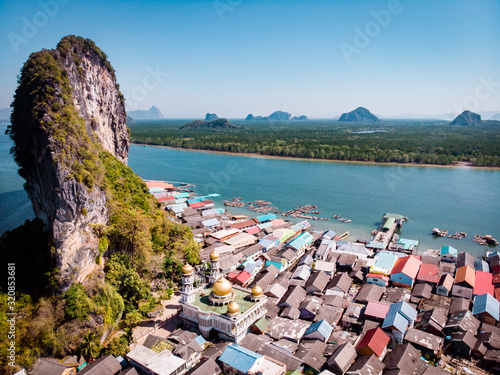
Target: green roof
<point x="394" y="216"/>
<point x="262" y="324"/>
<point x="388" y="223"/>
<point x="203" y="302"/>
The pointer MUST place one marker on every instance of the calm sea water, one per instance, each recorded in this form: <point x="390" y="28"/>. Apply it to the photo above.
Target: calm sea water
<point x="458" y="199"/>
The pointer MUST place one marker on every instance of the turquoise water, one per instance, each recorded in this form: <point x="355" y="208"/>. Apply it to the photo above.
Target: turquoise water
<point x="457" y="199"/>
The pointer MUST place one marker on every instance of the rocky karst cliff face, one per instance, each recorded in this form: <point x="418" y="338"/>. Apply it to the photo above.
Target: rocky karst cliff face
<point x="66" y="110"/>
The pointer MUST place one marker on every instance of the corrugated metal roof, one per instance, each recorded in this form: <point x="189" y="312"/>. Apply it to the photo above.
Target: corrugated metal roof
<point x="481" y="265"/>
<point x="486" y="303"/>
<point x="449" y="250"/>
<point x="407" y="265"/>
<point x="429" y="273"/>
<point x="465" y="274"/>
<point x="266" y="217"/>
<point x="395" y="320"/>
<point x="377" y="309"/>
<point x="484" y="284"/>
<point x="384" y="263"/>
<point x="388" y="223"/>
<point x="323" y="327"/>
<point x="239" y="358"/>
<point x="376" y="340"/>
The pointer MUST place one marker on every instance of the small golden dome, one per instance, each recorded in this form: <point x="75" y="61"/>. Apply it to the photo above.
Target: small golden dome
<point x="222" y="287"/>
<point x="214" y="255"/>
<point x="233" y="308"/>
<point x="187" y="269"/>
<point x="256" y="291"/>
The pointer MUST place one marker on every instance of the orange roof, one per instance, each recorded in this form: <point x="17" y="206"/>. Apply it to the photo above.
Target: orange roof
<point x="465" y="274"/>
<point x="374" y="341"/>
<point x="484" y="284"/>
<point x="160" y="184"/>
<point x="408" y="265"/>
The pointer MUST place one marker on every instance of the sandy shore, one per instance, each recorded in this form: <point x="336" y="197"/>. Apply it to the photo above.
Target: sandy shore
<point x="253" y="155"/>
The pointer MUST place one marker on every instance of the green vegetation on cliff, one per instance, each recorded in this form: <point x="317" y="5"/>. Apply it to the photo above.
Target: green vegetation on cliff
<point x="424" y="142"/>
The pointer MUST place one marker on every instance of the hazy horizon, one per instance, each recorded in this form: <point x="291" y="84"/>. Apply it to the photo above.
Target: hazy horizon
<point x="317" y="58"/>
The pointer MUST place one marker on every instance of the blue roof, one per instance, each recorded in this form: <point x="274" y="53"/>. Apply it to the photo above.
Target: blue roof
<point x="376" y="245"/>
<point x="267" y="242"/>
<point x="200" y="340"/>
<point x="485" y="303"/>
<point x="481" y="265"/>
<point x="302" y="240"/>
<point x="395" y="319"/>
<point x="493" y="254"/>
<point x="239" y="358"/>
<point x="386" y="260"/>
<point x="278" y="265"/>
<point x="449" y="250"/>
<point x="300" y="226"/>
<point x="220" y="210"/>
<point x="196" y="199"/>
<point x="265" y="225"/>
<point x="210" y="222"/>
<point x="407" y="243"/>
<point x="323" y="327"/>
<point x="267" y="217"/>
<point x="406" y="310"/>
<point x="330" y="234"/>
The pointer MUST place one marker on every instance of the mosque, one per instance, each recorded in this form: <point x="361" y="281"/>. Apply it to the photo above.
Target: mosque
<point x="218" y="306"/>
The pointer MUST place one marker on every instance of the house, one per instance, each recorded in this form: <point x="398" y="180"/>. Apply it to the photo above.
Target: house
<point x="300" y="243"/>
<point x="461" y="291"/>
<point x="432" y="321"/>
<point x="191" y="352"/>
<point x="317" y="282"/>
<point x="481" y="265"/>
<point x="492" y="360"/>
<point x="375" y="342"/>
<point x="461" y="321"/>
<point x="343" y="358"/>
<point x="312" y="353"/>
<point x="405" y="271"/>
<point x="211" y="223"/>
<point x="465" y="276"/>
<point x="47" y="367"/>
<point x="352" y="317"/>
<point x="422" y="291"/>
<point x="447" y="268"/>
<point x="486" y="308"/>
<point x="151" y="362"/>
<point x="241" y="240"/>
<point x="459" y="304"/>
<point x="357" y="275"/>
<point x="303" y="272"/>
<point x="326" y="246"/>
<point x="449" y="254"/>
<point x="366" y="365"/>
<point x="243" y="278"/>
<point x="206" y="367"/>
<point x="406" y="359"/>
<point x="309" y="307"/>
<point x="494" y="262"/>
<point x="292" y="330"/>
<point x="306" y="259"/>
<point x="369" y="292"/>
<point x="339" y="285"/>
<point x="465" y="259"/>
<point x="396" y="294"/>
<point x="275" y="290"/>
<point x="428" y="273"/>
<point x="108" y="365"/>
<point x="463" y="342"/>
<point x="293" y="297"/>
<point x="357" y="249"/>
<point x="377" y="310"/>
<point x="424" y="340"/>
<point x="399" y="317"/>
<point x="290" y="312"/>
<point x="238" y="360"/>
<point x="269" y="242"/>
<point x="445" y="285"/>
<point x="483" y="284"/>
<point x="224" y="235"/>
<point x="291" y="362"/>
<point x="331" y="314"/>
<point x="319" y="331"/>
<point x="327" y="267"/>
<point x="436" y="302"/>
<point x="384" y="262"/>
<point x="346" y="261"/>
<point x="377" y="279"/>
<point x="265" y="218"/>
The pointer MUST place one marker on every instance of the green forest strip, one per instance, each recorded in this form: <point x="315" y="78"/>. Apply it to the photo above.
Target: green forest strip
<point x="426" y="142"/>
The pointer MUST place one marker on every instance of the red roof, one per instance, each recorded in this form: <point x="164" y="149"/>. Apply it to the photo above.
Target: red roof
<point x="232" y="275"/>
<point x="243" y="277"/>
<point x="378" y="276"/>
<point x="253" y="230"/>
<point x="483" y="284"/>
<point x="377" y="309"/>
<point x="207" y="201"/>
<point x="160" y="184"/>
<point x="197" y="204"/>
<point x="428" y="273"/>
<point x="375" y="341"/>
<point x="408" y="265"/>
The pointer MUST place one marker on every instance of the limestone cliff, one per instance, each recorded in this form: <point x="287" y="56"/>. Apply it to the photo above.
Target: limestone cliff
<point x="66" y="110"/>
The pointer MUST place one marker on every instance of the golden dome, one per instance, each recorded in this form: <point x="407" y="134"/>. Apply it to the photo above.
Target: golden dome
<point x="233" y="308"/>
<point x="256" y="291"/>
<point x="187" y="269"/>
<point x="214" y="255"/>
<point x="222" y="287"/>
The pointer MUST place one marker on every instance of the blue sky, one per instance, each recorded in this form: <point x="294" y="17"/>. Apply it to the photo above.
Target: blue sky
<point x="234" y="57"/>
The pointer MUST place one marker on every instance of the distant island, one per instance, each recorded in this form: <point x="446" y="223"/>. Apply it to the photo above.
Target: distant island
<point x="218" y="124"/>
<point x="468" y="118"/>
<point x="211" y="117"/>
<point x="360" y="114"/>
<point x="276" y="116"/>
<point x="152" y="113"/>
<point x="5" y="113"/>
